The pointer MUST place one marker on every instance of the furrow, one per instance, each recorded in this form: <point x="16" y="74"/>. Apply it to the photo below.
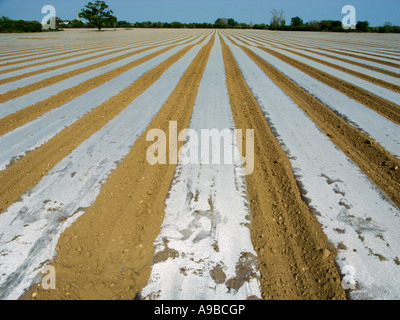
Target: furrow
<point x="375" y="161"/>
<point x="206" y="215"/>
<point x="356" y="216"/>
<point x="28" y="107"/>
<point x="25" y="173"/>
<point x="287" y="237"/>
<point x="379" y="104"/>
<point x="117" y="232"/>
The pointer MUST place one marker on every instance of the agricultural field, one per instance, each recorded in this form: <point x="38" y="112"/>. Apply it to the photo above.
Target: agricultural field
<point x="106" y="174"/>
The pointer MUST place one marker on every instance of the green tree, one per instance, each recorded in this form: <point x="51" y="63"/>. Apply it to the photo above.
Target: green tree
<point x="176" y="24"/>
<point x="314" y="25"/>
<point x="232" y="23"/>
<point x="221" y="23"/>
<point x="76" y="24"/>
<point x="123" y="24"/>
<point x="331" y="25"/>
<point x="97" y="14"/>
<point x="8" y="25"/>
<point x="297" y="22"/>
<point x="260" y="26"/>
<point x="362" y="26"/>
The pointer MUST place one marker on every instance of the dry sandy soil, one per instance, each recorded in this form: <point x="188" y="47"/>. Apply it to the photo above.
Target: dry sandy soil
<point x="105" y="248"/>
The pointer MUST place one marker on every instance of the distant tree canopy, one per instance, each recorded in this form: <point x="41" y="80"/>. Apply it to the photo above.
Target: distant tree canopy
<point x="331" y="25"/>
<point x="296" y="24"/>
<point x="362" y="26"/>
<point x="232" y="23"/>
<point x="97" y="14"/>
<point x="8" y="25"/>
<point x="297" y="21"/>
<point x="223" y="23"/>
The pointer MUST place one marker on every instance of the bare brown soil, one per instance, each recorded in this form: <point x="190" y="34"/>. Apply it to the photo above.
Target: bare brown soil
<point x="377" y="163"/>
<point x="60" y="58"/>
<point x="378" y="104"/>
<point x="49" y="81"/>
<point x="392" y="74"/>
<point x="57" y="52"/>
<point x="23" y="116"/>
<point x="43" y="70"/>
<point x="10" y="62"/>
<point x="107" y="252"/>
<point x="337" y="66"/>
<point x="29" y="170"/>
<point x="347" y="53"/>
<point x="371" y="79"/>
<point x="354" y="55"/>
<point x="28" y="74"/>
<point x="295" y="258"/>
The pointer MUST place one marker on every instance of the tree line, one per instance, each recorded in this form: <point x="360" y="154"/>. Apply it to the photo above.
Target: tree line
<point x="8" y="25"/>
<point x="278" y="22"/>
<point x="296" y="24"/>
<point x="97" y="14"/>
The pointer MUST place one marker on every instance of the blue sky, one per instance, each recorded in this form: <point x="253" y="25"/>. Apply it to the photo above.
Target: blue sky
<point x="377" y="12"/>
